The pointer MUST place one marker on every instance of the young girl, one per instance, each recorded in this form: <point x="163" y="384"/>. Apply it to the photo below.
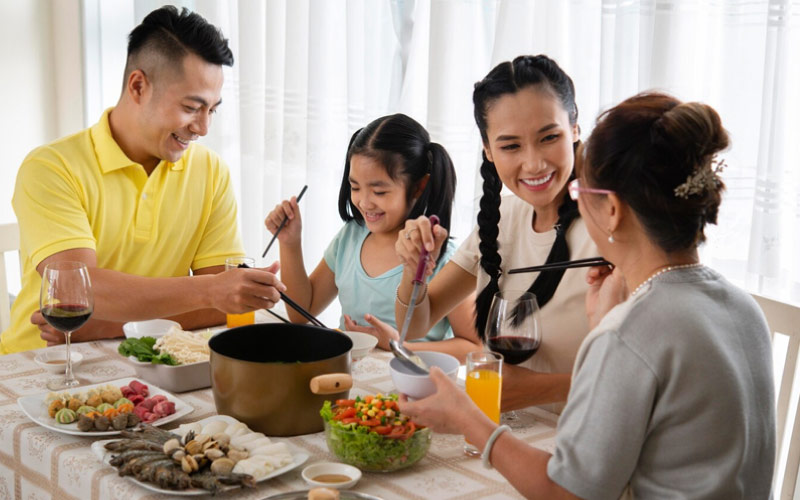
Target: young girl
<point x="527" y="117"/>
<point x="392" y="172"/>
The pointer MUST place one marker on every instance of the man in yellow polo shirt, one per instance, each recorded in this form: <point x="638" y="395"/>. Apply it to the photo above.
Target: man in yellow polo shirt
<point x="137" y="201"/>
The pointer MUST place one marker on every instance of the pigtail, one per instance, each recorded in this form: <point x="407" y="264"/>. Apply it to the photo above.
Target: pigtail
<point x="346" y="209"/>
<point x="488" y="229"/>
<point x="437" y="197"/>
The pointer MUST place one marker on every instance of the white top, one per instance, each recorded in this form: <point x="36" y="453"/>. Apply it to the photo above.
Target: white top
<point x="563" y="320"/>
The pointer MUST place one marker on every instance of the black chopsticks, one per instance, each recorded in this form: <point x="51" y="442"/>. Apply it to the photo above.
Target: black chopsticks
<point x="283" y="223"/>
<point x="278" y="316"/>
<point x="307" y="315"/>
<point x="570" y="264"/>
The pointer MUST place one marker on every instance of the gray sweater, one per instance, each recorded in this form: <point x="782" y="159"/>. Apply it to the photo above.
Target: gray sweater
<point x="673" y="396"/>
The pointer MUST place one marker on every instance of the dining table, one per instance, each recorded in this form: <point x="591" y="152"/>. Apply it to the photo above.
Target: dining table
<point x="38" y="463"/>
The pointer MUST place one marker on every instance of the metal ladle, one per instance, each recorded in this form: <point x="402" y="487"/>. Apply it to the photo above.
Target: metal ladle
<point x="401" y="352"/>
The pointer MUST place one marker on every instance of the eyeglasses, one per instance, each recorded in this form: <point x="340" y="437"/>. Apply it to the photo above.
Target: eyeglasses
<point x="574" y="188"/>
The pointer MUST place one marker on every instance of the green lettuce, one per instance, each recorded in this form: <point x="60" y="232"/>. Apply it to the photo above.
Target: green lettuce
<point x="358" y="446"/>
<point x="143" y="350"/>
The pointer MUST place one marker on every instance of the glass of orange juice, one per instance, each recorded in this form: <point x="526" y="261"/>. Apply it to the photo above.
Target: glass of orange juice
<point x="484" y="383"/>
<point x="247" y="318"/>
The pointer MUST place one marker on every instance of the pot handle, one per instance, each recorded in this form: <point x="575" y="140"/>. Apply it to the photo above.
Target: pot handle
<point x="331" y="383"/>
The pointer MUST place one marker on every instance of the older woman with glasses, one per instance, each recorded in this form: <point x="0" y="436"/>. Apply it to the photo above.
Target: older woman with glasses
<point x="672" y="392"/>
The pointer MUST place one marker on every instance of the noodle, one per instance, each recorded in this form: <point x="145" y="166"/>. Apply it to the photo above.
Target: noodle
<point x="185" y="347"/>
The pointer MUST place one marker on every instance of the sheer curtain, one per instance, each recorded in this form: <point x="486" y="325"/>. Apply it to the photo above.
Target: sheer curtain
<point x="309" y="73"/>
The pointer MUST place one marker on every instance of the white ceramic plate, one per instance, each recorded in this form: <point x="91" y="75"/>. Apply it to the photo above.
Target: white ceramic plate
<point x="36" y="409"/>
<point x="300" y="457"/>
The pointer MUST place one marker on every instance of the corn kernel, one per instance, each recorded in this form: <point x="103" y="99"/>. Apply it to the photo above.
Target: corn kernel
<point x="371" y="413"/>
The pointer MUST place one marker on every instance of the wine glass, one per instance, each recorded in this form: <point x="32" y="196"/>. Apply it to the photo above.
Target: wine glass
<point x="66" y="302"/>
<point x="512" y="328"/>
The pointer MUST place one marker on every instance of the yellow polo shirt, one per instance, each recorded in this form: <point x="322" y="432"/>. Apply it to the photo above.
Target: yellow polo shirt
<point x="83" y="192"/>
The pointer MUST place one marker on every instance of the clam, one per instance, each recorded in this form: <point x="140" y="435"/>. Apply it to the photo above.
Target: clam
<point x="236" y="455"/>
<point x="189" y="464"/>
<point x="171" y="445"/>
<point x="222" y="466"/>
<point x="193" y="447"/>
<point x="222" y="438"/>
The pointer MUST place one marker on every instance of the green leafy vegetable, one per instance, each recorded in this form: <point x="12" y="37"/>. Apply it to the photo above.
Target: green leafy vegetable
<point x="356" y="445"/>
<point x="143" y="350"/>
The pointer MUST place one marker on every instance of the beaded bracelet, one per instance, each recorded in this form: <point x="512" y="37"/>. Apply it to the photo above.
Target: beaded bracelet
<point x="487" y="450"/>
<point x="397" y="296"/>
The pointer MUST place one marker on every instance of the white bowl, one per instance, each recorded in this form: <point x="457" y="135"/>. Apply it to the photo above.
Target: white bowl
<point x="419" y="386"/>
<point x="362" y="344"/>
<point x="326" y="468"/>
<point x="54" y="359"/>
<point x="150" y="328"/>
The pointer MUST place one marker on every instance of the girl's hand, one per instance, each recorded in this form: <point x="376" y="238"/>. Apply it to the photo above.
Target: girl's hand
<point x="379" y="329"/>
<point x="292" y="230"/>
<point x="607" y="288"/>
<point x="448" y="410"/>
<point x="413" y="237"/>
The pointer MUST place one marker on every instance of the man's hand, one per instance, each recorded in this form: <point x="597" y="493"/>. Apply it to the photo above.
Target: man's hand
<point x="242" y="290"/>
<point x="94" y="329"/>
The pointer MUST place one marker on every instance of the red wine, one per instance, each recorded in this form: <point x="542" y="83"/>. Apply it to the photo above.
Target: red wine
<point x="66" y="317"/>
<point x="515" y="350"/>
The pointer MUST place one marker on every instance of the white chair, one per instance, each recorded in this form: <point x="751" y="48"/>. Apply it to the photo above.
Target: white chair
<point x="784" y="326"/>
<point x="9" y="242"/>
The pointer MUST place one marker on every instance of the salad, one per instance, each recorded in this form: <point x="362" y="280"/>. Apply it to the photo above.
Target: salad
<point x="144" y="349"/>
<point x="372" y="434"/>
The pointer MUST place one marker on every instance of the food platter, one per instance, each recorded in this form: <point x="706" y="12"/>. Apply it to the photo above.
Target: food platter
<point x="298" y="458"/>
<point x="35" y="408"/>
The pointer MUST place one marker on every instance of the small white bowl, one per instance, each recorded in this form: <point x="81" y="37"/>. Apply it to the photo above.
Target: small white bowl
<point x="150" y="328"/>
<point x="54" y="359"/>
<point x="419" y="386"/>
<point x="362" y="344"/>
<point x="331" y="468"/>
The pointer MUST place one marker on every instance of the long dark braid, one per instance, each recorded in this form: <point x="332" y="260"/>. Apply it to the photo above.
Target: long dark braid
<point x="488" y="229"/>
<point x="508" y="78"/>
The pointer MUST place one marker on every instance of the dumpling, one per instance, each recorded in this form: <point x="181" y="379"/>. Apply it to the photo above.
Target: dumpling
<point x="271" y="450"/>
<point x="214" y="427"/>
<point x="184" y="429"/>
<point x="243" y="439"/>
<point x="252" y="466"/>
<point x="258" y="443"/>
<point x="236" y="429"/>
<point x="66" y="416"/>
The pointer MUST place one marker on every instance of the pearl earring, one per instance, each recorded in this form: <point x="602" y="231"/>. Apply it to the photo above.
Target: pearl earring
<point x="610" y="237"/>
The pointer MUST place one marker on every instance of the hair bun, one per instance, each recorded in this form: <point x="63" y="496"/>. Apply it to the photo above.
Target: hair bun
<point x="693" y="128"/>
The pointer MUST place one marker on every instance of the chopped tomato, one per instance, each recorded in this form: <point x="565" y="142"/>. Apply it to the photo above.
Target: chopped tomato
<point x="345" y="402"/>
<point x="389" y="405"/>
<point x="368" y="399"/>
<point x="377" y="404"/>
<point x="383" y="429"/>
<point x="350" y="420"/>
<point x="345" y="413"/>
<point x="371" y="422"/>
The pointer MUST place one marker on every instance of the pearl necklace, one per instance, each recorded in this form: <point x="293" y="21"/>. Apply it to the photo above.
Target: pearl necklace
<point x="662" y="271"/>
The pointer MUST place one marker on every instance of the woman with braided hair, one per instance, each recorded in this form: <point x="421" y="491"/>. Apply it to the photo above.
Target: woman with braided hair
<point x="526" y="113"/>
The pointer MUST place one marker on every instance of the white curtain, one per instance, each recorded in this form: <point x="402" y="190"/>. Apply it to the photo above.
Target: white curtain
<point x="309" y="73"/>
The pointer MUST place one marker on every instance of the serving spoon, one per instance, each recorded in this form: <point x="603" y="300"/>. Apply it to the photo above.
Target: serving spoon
<point x="401" y="352"/>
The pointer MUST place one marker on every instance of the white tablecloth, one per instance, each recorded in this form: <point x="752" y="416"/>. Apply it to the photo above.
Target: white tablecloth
<point x="36" y="463"/>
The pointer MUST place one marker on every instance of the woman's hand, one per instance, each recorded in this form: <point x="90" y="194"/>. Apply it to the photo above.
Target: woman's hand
<point x="415" y="235"/>
<point x="607" y="288"/>
<point x="291" y="233"/>
<point x="448" y="410"/>
<point x="379" y="329"/>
